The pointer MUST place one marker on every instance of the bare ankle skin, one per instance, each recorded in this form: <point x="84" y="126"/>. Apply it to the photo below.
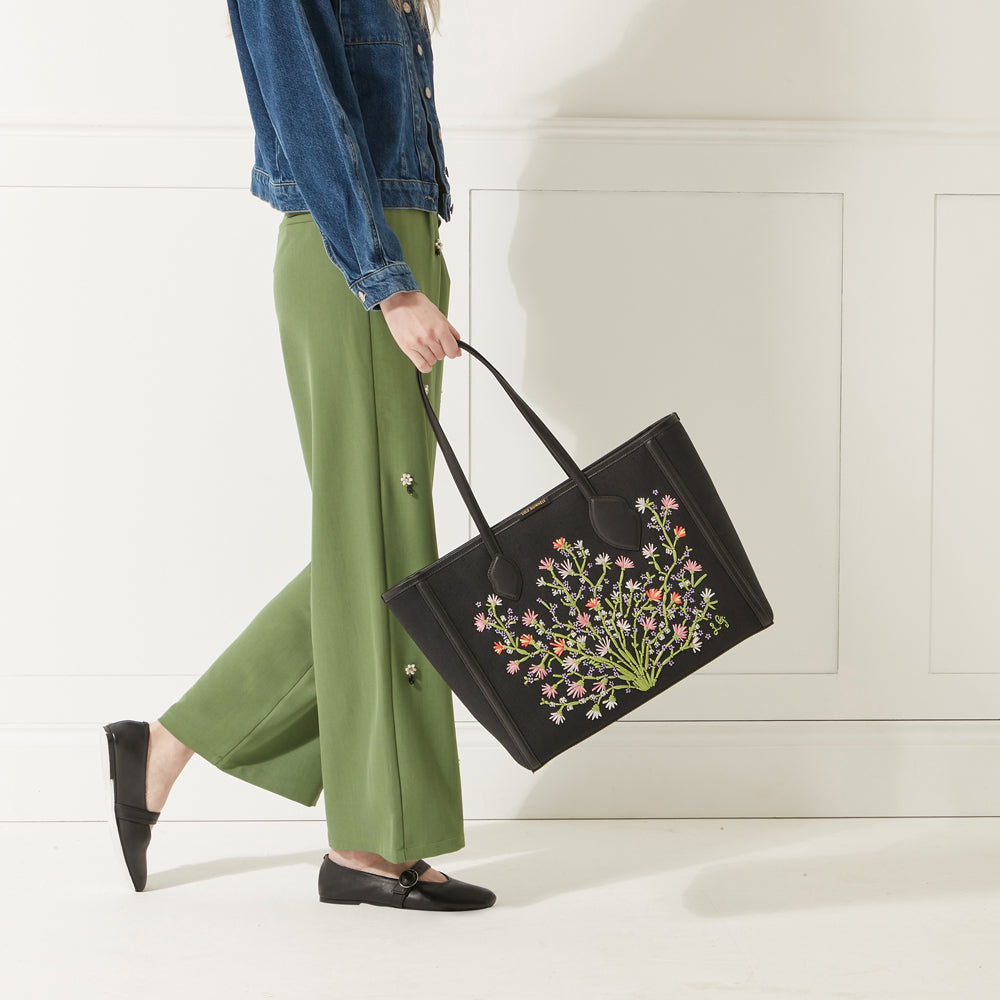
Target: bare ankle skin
<point x="167" y="758"/>
<point x="375" y="864"/>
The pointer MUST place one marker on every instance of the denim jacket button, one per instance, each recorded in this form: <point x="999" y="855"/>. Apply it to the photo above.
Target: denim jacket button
<point x="427" y="92"/>
<point x="420" y="49"/>
<point x="407" y="8"/>
<point x="362" y="296"/>
<point x="439" y="133"/>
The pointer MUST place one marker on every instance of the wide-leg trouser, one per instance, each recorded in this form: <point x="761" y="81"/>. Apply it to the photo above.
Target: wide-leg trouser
<point x="314" y="694"/>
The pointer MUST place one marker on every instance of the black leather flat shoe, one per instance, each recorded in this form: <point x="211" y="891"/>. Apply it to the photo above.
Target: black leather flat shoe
<point x="128" y="748"/>
<point x="338" y="884"/>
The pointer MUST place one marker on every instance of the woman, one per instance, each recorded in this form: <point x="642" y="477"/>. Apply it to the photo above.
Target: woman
<point x="323" y="691"/>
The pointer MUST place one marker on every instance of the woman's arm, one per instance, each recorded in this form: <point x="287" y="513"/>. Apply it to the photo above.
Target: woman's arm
<point x="298" y="62"/>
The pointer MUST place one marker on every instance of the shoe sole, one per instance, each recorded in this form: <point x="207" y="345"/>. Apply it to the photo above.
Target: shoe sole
<point x="109" y="801"/>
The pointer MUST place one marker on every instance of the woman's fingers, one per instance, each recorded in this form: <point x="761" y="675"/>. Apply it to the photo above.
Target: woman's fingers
<point x="421" y="330"/>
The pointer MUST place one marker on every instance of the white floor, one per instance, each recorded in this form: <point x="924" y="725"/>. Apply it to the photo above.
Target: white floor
<point x="707" y="909"/>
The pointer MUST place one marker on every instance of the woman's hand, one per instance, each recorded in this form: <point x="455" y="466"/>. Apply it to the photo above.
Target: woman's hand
<point x="421" y="330"/>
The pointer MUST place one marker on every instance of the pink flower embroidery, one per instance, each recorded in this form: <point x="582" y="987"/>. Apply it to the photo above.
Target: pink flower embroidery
<point x="582" y="620"/>
<point x="647" y="623"/>
<point x="547" y="564"/>
<point x="669" y="502"/>
<point x="681" y="632"/>
<point x="623" y="562"/>
<point x="513" y="666"/>
<point x="480" y="622"/>
<point x="548" y="690"/>
<point x="538" y="670"/>
<point x="576" y="690"/>
<point x="557" y="718"/>
<point x="691" y="566"/>
<point x="599" y="686"/>
<point x="529" y="617"/>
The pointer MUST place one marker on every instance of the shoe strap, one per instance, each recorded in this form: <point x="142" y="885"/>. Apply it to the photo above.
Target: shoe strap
<point x="407" y="880"/>
<point x="135" y="815"/>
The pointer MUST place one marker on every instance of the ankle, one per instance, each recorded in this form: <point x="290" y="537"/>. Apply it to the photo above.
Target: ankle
<point x="166" y="759"/>
<point x="166" y="747"/>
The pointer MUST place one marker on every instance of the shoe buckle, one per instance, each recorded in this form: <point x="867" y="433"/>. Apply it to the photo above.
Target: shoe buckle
<point x="409" y="878"/>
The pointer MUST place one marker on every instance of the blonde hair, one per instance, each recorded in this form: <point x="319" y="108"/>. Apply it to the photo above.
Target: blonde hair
<point x="432" y="5"/>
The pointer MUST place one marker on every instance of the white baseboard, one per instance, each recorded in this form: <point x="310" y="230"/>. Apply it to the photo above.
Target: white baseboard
<point x="633" y="770"/>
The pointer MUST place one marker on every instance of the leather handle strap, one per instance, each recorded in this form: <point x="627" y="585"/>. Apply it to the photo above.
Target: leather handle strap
<point x="612" y="517"/>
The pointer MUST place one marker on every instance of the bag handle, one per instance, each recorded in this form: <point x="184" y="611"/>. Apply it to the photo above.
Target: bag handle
<point x="612" y="518"/>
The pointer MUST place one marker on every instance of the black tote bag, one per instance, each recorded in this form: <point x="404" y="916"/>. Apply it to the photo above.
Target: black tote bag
<point x="593" y="598"/>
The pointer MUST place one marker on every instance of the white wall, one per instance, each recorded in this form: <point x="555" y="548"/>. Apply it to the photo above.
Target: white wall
<point x="800" y="197"/>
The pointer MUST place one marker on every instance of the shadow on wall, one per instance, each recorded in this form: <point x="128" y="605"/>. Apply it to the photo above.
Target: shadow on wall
<point x="688" y="310"/>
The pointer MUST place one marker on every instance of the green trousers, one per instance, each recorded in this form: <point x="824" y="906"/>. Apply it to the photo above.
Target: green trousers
<point x="315" y="694"/>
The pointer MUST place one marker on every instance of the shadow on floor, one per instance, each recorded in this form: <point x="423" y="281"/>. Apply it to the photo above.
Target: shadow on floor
<point x="222" y="867"/>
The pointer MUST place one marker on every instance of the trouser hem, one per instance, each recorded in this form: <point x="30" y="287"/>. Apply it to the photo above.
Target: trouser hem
<point x="410" y="852"/>
<point x="193" y="741"/>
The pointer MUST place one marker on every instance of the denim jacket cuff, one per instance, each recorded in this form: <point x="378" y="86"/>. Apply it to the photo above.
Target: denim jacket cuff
<point x="371" y="289"/>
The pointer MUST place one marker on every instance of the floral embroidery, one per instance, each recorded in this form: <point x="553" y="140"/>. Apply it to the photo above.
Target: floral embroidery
<point x="411" y="669"/>
<point x="599" y="633"/>
<point x="407" y="480"/>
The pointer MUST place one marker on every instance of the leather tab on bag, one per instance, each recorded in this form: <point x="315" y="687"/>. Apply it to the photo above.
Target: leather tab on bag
<point x="616" y="521"/>
<point x="505" y="577"/>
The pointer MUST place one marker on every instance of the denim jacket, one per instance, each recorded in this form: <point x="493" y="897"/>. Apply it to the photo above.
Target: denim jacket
<point x="341" y="97"/>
